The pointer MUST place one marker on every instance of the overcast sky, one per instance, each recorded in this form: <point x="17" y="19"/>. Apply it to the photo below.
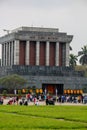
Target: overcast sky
<point x="68" y="15"/>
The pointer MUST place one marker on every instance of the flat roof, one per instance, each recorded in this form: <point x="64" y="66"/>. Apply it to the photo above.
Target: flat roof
<point x="36" y="29"/>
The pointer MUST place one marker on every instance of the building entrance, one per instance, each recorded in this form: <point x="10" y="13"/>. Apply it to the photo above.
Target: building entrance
<point x="53" y="88"/>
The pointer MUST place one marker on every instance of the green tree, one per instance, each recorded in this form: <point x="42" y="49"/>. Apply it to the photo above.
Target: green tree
<point x="83" y="55"/>
<point x="13" y="81"/>
<point x="4" y="92"/>
<point x="73" y="60"/>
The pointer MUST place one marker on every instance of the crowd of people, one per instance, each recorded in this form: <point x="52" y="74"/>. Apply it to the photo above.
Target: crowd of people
<point x="36" y="99"/>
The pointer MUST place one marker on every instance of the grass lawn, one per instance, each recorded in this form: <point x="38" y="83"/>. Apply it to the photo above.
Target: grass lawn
<point x="43" y="117"/>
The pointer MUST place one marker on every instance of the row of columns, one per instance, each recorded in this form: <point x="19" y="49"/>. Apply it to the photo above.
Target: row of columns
<point x="10" y="53"/>
<point x="38" y="52"/>
<point x="65" y="55"/>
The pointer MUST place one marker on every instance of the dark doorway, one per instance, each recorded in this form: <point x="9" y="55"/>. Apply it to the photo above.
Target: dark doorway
<point x="53" y="88"/>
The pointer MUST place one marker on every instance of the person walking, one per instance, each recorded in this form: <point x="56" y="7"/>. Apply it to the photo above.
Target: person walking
<point x="17" y="99"/>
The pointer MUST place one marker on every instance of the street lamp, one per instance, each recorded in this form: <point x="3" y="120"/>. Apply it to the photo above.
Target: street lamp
<point x="45" y="91"/>
<point x="56" y="94"/>
<point x="56" y="91"/>
<point x="15" y="91"/>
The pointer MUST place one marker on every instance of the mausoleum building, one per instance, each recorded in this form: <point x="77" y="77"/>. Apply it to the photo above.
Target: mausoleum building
<point x="41" y="55"/>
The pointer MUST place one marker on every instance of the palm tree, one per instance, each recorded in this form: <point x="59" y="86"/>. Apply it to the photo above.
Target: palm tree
<point x="72" y="60"/>
<point x="83" y="54"/>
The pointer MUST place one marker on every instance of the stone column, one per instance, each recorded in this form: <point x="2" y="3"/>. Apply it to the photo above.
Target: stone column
<point x="47" y="53"/>
<point x="12" y="52"/>
<point x="2" y="62"/>
<point x="37" y="52"/>
<point x="16" y="52"/>
<point x="67" y="54"/>
<point x="8" y="54"/>
<point x="27" y="53"/>
<point x="6" y="60"/>
<point x="9" y="63"/>
<point x="64" y="55"/>
<point x="57" y="54"/>
<point x="3" y="54"/>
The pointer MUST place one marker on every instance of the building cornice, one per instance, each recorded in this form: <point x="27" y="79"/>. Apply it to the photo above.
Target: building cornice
<point x="37" y="36"/>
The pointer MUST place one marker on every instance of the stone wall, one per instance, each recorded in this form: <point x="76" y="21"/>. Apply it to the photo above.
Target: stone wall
<point x="45" y="71"/>
<point x="68" y="82"/>
<point x="38" y="75"/>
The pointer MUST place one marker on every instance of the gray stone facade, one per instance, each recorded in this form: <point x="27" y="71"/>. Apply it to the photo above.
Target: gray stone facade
<point x="39" y="75"/>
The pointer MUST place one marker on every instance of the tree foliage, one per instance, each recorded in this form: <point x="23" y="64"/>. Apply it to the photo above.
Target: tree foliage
<point x="12" y="81"/>
<point x="73" y="60"/>
<point x="83" y="54"/>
